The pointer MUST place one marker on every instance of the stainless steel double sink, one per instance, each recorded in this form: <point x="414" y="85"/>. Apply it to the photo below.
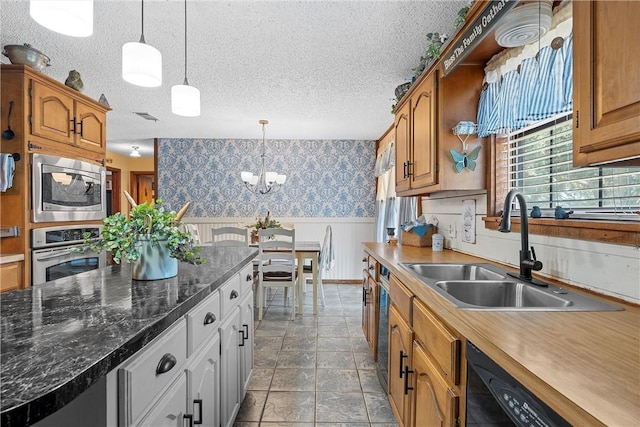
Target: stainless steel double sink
<point x="488" y="287"/>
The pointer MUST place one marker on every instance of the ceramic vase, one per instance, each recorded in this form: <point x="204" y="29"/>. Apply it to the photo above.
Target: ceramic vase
<point x="155" y="261"/>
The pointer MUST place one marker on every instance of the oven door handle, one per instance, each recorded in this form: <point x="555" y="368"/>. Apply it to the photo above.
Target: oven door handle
<point x="54" y="255"/>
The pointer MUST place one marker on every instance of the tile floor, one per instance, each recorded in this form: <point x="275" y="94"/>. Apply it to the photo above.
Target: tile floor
<point x="314" y="370"/>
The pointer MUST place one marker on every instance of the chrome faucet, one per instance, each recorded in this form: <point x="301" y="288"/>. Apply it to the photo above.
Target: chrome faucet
<point x="528" y="261"/>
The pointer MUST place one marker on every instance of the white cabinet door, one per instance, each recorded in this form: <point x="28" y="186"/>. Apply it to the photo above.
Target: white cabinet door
<point x="169" y="410"/>
<point x="230" y="393"/>
<point x="203" y="375"/>
<point x="246" y="349"/>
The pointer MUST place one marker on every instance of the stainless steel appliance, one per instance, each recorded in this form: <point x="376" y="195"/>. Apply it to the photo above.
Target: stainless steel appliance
<point x="52" y="256"/>
<point x="495" y="398"/>
<point x="66" y="190"/>
<point x="383" y="329"/>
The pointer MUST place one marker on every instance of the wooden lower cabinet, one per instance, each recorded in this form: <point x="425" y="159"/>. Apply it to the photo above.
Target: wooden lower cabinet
<point x="170" y="409"/>
<point x="436" y="403"/>
<point x="11" y="276"/>
<point x="400" y="342"/>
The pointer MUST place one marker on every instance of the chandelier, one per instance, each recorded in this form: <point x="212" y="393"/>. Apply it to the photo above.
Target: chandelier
<point x="265" y="182"/>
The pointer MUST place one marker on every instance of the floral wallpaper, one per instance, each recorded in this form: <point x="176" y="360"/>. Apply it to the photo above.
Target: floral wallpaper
<point x="325" y="178"/>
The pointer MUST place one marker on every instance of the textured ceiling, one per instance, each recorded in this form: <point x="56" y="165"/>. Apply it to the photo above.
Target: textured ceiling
<point x="314" y="69"/>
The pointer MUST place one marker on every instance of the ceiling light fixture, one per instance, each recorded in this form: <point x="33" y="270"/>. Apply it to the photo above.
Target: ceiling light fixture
<point x="135" y="152"/>
<point x="141" y="63"/>
<point x="71" y="18"/>
<point x="524" y="24"/>
<point x="266" y="182"/>
<point x="185" y="99"/>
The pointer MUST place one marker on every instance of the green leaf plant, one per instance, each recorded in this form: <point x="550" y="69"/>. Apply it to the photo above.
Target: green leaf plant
<point x="120" y="234"/>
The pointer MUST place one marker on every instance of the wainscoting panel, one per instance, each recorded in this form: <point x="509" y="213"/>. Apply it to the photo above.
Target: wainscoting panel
<point x="348" y="235"/>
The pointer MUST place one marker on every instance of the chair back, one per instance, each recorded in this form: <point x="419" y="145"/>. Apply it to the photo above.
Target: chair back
<point x="230" y="236"/>
<point x="193" y="230"/>
<point x="326" y="257"/>
<point x="277" y="254"/>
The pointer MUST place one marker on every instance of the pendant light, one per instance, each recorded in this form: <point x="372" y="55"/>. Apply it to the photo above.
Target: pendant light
<point x="141" y="63"/>
<point x="185" y="99"/>
<point x="71" y="18"/>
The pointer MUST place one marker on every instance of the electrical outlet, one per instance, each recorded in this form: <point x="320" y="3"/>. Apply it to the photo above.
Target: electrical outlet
<point x="452" y="231"/>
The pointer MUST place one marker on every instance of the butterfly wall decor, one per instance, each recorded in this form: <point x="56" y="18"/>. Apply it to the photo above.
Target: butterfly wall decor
<point x="464" y="160"/>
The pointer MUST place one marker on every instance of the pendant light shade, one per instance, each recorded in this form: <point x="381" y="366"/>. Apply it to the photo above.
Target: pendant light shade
<point x="72" y="18"/>
<point x="185" y="99"/>
<point x="141" y="63"/>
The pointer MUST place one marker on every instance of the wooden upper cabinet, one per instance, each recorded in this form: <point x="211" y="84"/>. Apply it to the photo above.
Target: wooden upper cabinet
<point x="91" y="127"/>
<point x="52" y="114"/>
<point x="422" y="169"/>
<point x="402" y="132"/>
<point x="606" y="83"/>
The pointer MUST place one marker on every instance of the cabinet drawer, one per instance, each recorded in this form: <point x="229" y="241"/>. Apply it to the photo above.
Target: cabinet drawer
<point x="203" y="322"/>
<point x="435" y="338"/>
<point x="229" y="295"/>
<point x="401" y="297"/>
<point x="246" y="280"/>
<point x="142" y="378"/>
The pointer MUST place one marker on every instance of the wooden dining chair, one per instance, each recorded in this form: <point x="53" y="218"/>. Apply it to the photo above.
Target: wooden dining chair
<point x="230" y="236"/>
<point x="277" y="264"/>
<point x="324" y="263"/>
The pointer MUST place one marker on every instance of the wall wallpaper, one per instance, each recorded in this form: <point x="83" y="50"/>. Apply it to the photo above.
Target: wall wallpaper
<point x="325" y="178"/>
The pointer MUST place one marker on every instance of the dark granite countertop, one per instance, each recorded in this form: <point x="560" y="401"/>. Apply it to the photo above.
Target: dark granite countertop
<point x="61" y="337"/>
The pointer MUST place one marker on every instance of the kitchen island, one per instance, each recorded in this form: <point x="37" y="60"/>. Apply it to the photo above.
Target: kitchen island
<point x="584" y="365"/>
<point x="62" y="337"/>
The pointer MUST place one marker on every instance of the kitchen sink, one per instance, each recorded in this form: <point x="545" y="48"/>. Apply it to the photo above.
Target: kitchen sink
<point x="501" y="294"/>
<point x="489" y="287"/>
<point x="455" y="272"/>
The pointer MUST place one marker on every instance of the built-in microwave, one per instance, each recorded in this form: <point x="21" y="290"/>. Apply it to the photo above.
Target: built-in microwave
<point x="66" y="189"/>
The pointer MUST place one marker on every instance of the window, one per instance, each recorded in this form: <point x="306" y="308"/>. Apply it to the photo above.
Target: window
<point x="538" y="160"/>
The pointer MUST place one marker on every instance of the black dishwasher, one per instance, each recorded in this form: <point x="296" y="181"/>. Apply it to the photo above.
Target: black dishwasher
<point x="383" y="329"/>
<point x="495" y="398"/>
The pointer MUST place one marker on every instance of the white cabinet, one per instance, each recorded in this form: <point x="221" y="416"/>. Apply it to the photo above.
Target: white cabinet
<point x="170" y="409"/>
<point x="149" y="373"/>
<point x="197" y="371"/>
<point x="203" y="378"/>
<point x="230" y="338"/>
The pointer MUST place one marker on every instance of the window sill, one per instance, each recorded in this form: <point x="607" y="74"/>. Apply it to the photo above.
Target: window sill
<point x="620" y="233"/>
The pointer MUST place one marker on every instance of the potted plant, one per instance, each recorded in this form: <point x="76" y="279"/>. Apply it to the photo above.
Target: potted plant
<point x="267" y="222"/>
<point x="150" y="238"/>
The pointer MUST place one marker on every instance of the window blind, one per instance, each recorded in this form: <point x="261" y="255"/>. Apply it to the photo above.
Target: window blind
<point x="539" y="162"/>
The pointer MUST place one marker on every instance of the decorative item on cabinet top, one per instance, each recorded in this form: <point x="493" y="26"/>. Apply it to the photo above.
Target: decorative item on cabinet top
<point x="26" y="55"/>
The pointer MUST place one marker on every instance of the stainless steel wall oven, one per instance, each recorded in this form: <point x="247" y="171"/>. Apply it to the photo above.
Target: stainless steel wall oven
<point x="66" y="190"/>
<point x="52" y="256"/>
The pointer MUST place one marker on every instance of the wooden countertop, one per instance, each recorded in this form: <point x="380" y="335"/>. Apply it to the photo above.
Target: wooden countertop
<point x="584" y="365"/>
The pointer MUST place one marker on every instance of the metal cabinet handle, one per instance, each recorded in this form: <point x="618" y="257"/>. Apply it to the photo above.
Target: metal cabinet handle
<point x="73" y="123"/>
<point x="249" y="277"/>
<point x="234" y="294"/>
<point x="406" y="380"/>
<point x="81" y="126"/>
<point x="167" y="362"/>
<point x="209" y="318"/>
<point x="187" y="417"/>
<point x="364" y="296"/>
<point x="402" y="357"/>
<point x="245" y="333"/>
<point x="199" y="412"/>
<point x="242" y="337"/>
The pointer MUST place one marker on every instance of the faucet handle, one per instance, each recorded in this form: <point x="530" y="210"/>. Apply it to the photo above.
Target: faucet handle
<point x="533" y="264"/>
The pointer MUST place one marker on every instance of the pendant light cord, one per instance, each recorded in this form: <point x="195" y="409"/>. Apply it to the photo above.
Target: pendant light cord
<point x="142" y="26"/>
<point x="185" y="43"/>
